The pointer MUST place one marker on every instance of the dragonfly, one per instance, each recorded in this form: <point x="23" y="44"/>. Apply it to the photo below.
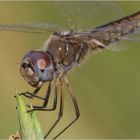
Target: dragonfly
<point x="65" y="50"/>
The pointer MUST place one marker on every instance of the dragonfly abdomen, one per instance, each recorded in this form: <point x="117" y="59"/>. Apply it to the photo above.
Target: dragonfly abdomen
<point x="117" y="30"/>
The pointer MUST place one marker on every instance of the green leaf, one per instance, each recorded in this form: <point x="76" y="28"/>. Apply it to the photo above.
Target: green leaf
<point x="29" y="125"/>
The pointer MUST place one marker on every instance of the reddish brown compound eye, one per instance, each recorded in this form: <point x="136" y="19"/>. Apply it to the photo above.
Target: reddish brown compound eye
<point x="36" y="67"/>
<point x="36" y="56"/>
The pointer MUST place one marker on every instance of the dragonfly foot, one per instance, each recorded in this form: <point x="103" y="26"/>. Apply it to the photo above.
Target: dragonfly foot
<point x="26" y="94"/>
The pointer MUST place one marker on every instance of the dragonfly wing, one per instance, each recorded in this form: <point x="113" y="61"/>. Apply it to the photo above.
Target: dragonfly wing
<point x="78" y="16"/>
<point x="84" y="15"/>
<point x="39" y="28"/>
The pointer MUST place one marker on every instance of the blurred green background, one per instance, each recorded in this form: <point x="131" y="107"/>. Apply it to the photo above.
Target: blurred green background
<point x="107" y="85"/>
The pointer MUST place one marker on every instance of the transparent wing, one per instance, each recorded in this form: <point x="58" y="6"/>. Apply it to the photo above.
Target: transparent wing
<point x="77" y="16"/>
<point x="40" y="28"/>
<point x="86" y="15"/>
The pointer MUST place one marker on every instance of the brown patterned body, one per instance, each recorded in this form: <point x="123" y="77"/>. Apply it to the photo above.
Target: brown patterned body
<point x="116" y="30"/>
<point x="67" y="50"/>
<point x="70" y="48"/>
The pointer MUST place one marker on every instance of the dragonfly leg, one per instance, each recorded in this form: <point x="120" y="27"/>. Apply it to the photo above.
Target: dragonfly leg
<point x="60" y="113"/>
<point x="45" y="103"/>
<point x="77" y="113"/>
<point x="32" y="95"/>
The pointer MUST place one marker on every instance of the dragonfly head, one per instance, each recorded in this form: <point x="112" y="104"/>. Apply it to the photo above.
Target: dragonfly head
<point x="36" y="67"/>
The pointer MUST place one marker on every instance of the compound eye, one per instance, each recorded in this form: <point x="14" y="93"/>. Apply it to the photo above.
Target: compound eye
<point x="38" y="58"/>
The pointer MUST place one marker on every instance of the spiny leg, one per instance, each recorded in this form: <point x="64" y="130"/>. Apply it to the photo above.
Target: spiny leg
<point x="77" y="113"/>
<point x="60" y="111"/>
<point x="45" y="103"/>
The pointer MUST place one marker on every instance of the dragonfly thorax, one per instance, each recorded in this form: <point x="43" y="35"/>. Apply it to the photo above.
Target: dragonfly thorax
<point x="36" y="68"/>
<point x="67" y="50"/>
